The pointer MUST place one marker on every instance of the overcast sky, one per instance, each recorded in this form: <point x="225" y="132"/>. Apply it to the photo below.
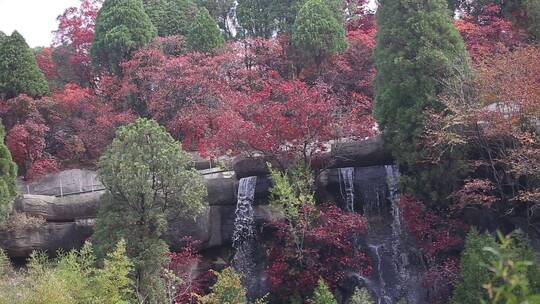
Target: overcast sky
<point x="34" y="19"/>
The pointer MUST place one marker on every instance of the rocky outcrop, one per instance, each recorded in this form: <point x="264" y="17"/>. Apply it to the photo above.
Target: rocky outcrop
<point x="60" y="209"/>
<point x="368" y="152"/>
<point x="49" y="237"/>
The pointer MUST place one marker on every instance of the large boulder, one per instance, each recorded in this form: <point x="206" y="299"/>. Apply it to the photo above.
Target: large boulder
<point x="49" y="237"/>
<point x="60" y="209"/>
<point x="363" y="153"/>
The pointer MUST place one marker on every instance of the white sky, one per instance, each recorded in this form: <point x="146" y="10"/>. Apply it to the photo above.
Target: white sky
<point x="34" y="19"/>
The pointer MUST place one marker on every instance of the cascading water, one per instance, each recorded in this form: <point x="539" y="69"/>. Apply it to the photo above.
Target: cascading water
<point x="377" y="195"/>
<point x="346" y="175"/>
<point x="243" y="234"/>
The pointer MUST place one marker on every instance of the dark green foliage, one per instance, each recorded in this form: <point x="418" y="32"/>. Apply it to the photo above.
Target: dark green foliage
<point x="418" y="52"/>
<point x="19" y="73"/>
<point x="532" y="11"/>
<point x="122" y="26"/>
<point x="473" y="271"/>
<point x="317" y="33"/>
<point x="148" y="180"/>
<point x="322" y="294"/>
<point x="221" y="11"/>
<point x="171" y="17"/>
<point x="476" y="265"/>
<point x="257" y="17"/>
<point x="8" y="175"/>
<point x="263" y="18"/>
<point x="204" y="35"/>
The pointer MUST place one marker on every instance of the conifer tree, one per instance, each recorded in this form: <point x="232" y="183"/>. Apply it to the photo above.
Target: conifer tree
<point x="122" y="26"/>
<point x="171" y="17"/>
<point x="149" y="180"/>
<point x="322" y="294"/>
<point x="8" y="175"/>
<point x="227" y="289"/>
<point x="114" y="279"/>
<point x="361" y="296"/>
<point x="19" y="72"/>
<point x="418" y="52"/>
<point x="317" y="33"/>
<point x="204" y="34"/>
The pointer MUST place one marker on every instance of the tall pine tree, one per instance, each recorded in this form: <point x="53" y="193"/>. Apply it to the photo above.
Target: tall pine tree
<point x="418" y="51"/>
<point x="204" y="34"/>
<point x="8" y="174"/>
<point x="19" y="73"/>
<point x="122" y="26"/>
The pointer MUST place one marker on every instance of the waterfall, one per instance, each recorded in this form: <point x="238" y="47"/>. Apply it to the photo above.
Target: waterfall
<point x="347" y="176"/>
<point x="243" y="234"/>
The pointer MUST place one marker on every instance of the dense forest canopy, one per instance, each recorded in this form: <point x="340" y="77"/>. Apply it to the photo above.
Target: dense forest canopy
<point x="128" y="86"/>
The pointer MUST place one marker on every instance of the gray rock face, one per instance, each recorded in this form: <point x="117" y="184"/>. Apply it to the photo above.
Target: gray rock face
<point x="60" y="209"/>
<point x="62" y="183"/>
<point x="50" y="237"/>
<point x="70" y="219"/>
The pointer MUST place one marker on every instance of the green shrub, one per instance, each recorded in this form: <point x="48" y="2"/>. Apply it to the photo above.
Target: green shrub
<point x="480" y="266"/>
<point x="71" y="278"/>
<point x="228" y="289"/>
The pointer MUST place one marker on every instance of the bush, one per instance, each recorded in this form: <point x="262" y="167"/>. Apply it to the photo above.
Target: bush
<point x="504" y="265"/>
<point x="70" y="279"/>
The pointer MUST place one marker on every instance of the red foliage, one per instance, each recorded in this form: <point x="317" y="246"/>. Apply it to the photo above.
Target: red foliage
<point x="46" y="63"/>
<point x="183" y="264"/>
<point x="477" y="192"/>
<point x="72" y="43"/>
<point x="72" y="126"/>
<point x="440" y="278"/>
<point x="26" y="142"/>
<point x="327" y="252"/>
<point x="437" y="237"/>
<point x="235" y="102"/>
<point x="487" y="32"/>
<point x="433" y="233"/>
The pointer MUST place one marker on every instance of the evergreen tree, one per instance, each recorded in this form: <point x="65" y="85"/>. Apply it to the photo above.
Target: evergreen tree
<point x="418" y="52"/>
<point x="317" y="33"/>
<point x="204" y="34"/>
<point x="148" y="180"/>
<point x="122" y="26"/>
<point x="227" y="289"/>
<point x="114" y="280"/>
<point x="361" y="296"/>
<point x="171" y="17"/>
<point x="8" y="175"/>
<point x="322" y="294"/>
<point x="19" y="73"/>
